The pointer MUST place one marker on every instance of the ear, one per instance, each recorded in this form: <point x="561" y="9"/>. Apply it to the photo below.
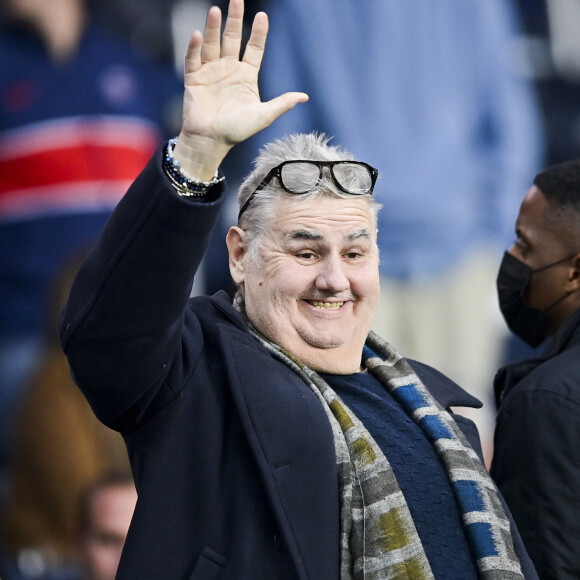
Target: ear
<point x="237" y="249"/>
<point x="574" y="274"/>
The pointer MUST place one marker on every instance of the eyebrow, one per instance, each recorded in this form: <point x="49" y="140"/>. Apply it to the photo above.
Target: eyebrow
<point x="359" y="234"/>
<point x="313" y="236"/>
<point x="302" y="235"/>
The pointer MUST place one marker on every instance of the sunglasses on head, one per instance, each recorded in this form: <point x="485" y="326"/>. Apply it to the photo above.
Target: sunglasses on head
<point x="303" y="175"/>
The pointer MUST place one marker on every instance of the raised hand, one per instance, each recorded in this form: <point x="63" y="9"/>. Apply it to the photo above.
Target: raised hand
<point x="222" y="103"/>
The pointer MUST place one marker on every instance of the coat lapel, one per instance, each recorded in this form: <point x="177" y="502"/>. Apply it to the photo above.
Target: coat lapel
<point x="292" y="442"/>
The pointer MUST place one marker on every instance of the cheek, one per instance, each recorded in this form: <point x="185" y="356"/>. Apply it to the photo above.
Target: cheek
<point x="282" y="277"/>
<point x="273" y="266"/>
<point x="366" y="282"/>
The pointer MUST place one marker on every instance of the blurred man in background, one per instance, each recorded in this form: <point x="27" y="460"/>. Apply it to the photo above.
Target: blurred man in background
<point x="104" y="519"/>
<point x="71" y="95"/>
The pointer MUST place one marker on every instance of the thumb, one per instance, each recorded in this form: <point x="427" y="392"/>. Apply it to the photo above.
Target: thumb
<point x="277" y="106"/>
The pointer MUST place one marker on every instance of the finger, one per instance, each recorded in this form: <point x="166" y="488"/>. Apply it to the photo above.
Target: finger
<point x="210" y="47"/>
<point x="193" y="54"/>
<point x="232" y="37"/>
<point x="257" y="42"/>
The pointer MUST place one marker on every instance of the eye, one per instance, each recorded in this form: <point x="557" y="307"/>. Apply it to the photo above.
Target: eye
<point x="353" y="255"/>
<point x="521" y="247"/>
<point x="306" y="255"/>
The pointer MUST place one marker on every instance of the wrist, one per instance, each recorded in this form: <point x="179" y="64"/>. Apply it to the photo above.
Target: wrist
<point x="198" y="155"/>
<point x="183" y="182"/>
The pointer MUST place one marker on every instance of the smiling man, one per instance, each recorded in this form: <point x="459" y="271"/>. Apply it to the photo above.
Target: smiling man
<point x="278" y="436"/>
<point x="314" y="284"/>
<point x="538" y="425"/>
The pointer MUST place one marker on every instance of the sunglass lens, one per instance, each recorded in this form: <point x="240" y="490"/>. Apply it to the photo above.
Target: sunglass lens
<point x="355" y="178"/>
<point x="300" y="177"/>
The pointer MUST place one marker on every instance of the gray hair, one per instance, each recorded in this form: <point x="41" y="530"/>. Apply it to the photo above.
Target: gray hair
<point x="314" y="146"/>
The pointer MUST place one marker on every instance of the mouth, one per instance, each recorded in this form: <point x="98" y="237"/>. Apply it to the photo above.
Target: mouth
<point x="325" y="305"/>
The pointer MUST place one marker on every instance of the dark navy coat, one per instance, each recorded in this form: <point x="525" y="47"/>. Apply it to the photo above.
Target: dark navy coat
<point x="232" y="454"/>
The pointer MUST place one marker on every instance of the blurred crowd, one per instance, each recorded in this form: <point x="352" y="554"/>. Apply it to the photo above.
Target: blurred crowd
<point x="458" y="107"/>
<point x="88" y="91"/>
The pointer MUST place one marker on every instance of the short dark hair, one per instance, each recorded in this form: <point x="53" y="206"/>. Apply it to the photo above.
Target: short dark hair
<point x="560" y="185"/>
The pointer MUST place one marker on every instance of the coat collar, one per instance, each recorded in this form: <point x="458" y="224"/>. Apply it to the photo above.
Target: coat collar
<point x="565" y="337"/>
<point x="223" y="303"/>
<point x="447" y="392"/>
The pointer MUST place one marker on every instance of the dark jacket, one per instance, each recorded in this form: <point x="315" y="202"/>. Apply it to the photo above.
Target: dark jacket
<point x="232" y="454"/>
<point x="536" y="462"/>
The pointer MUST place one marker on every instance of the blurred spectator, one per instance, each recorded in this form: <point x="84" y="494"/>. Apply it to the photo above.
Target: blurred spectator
<point x="551" y="47"/>
<point x="61" y="448"/>
<point x="427" y="93"/>
<point x="105" y="515"/>
<point x="71" y="93"/>
<point x="550" y="51"/>
<point x="146" y="24"/>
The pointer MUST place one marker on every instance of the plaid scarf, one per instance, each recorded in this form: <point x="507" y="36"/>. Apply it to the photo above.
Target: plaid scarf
<point x="378" y="539"/>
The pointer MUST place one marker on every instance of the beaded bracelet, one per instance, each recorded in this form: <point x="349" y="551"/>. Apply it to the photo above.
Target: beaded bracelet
<point x="185" y="184"/>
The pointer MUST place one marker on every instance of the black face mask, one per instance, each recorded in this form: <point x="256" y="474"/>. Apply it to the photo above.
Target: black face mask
<point x="530" y="324"/>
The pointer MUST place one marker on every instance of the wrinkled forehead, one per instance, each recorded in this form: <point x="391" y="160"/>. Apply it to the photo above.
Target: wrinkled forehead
<point x="345" y="216"/>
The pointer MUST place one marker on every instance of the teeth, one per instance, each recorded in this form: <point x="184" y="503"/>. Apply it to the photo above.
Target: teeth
<point x="327" y="304"/>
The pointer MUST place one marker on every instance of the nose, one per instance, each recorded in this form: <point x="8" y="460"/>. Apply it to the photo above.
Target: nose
<point x="332" y="275"/>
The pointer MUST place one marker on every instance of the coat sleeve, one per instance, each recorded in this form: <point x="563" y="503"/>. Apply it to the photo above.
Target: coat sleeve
<point x="121" y="327"/>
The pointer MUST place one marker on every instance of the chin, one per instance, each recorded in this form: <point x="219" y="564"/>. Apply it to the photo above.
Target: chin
<point x="339" y="356"/>
<point x="323" y="341"/>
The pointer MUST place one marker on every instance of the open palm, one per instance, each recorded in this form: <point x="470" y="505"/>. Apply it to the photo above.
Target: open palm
<point x="222" y="103"/>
